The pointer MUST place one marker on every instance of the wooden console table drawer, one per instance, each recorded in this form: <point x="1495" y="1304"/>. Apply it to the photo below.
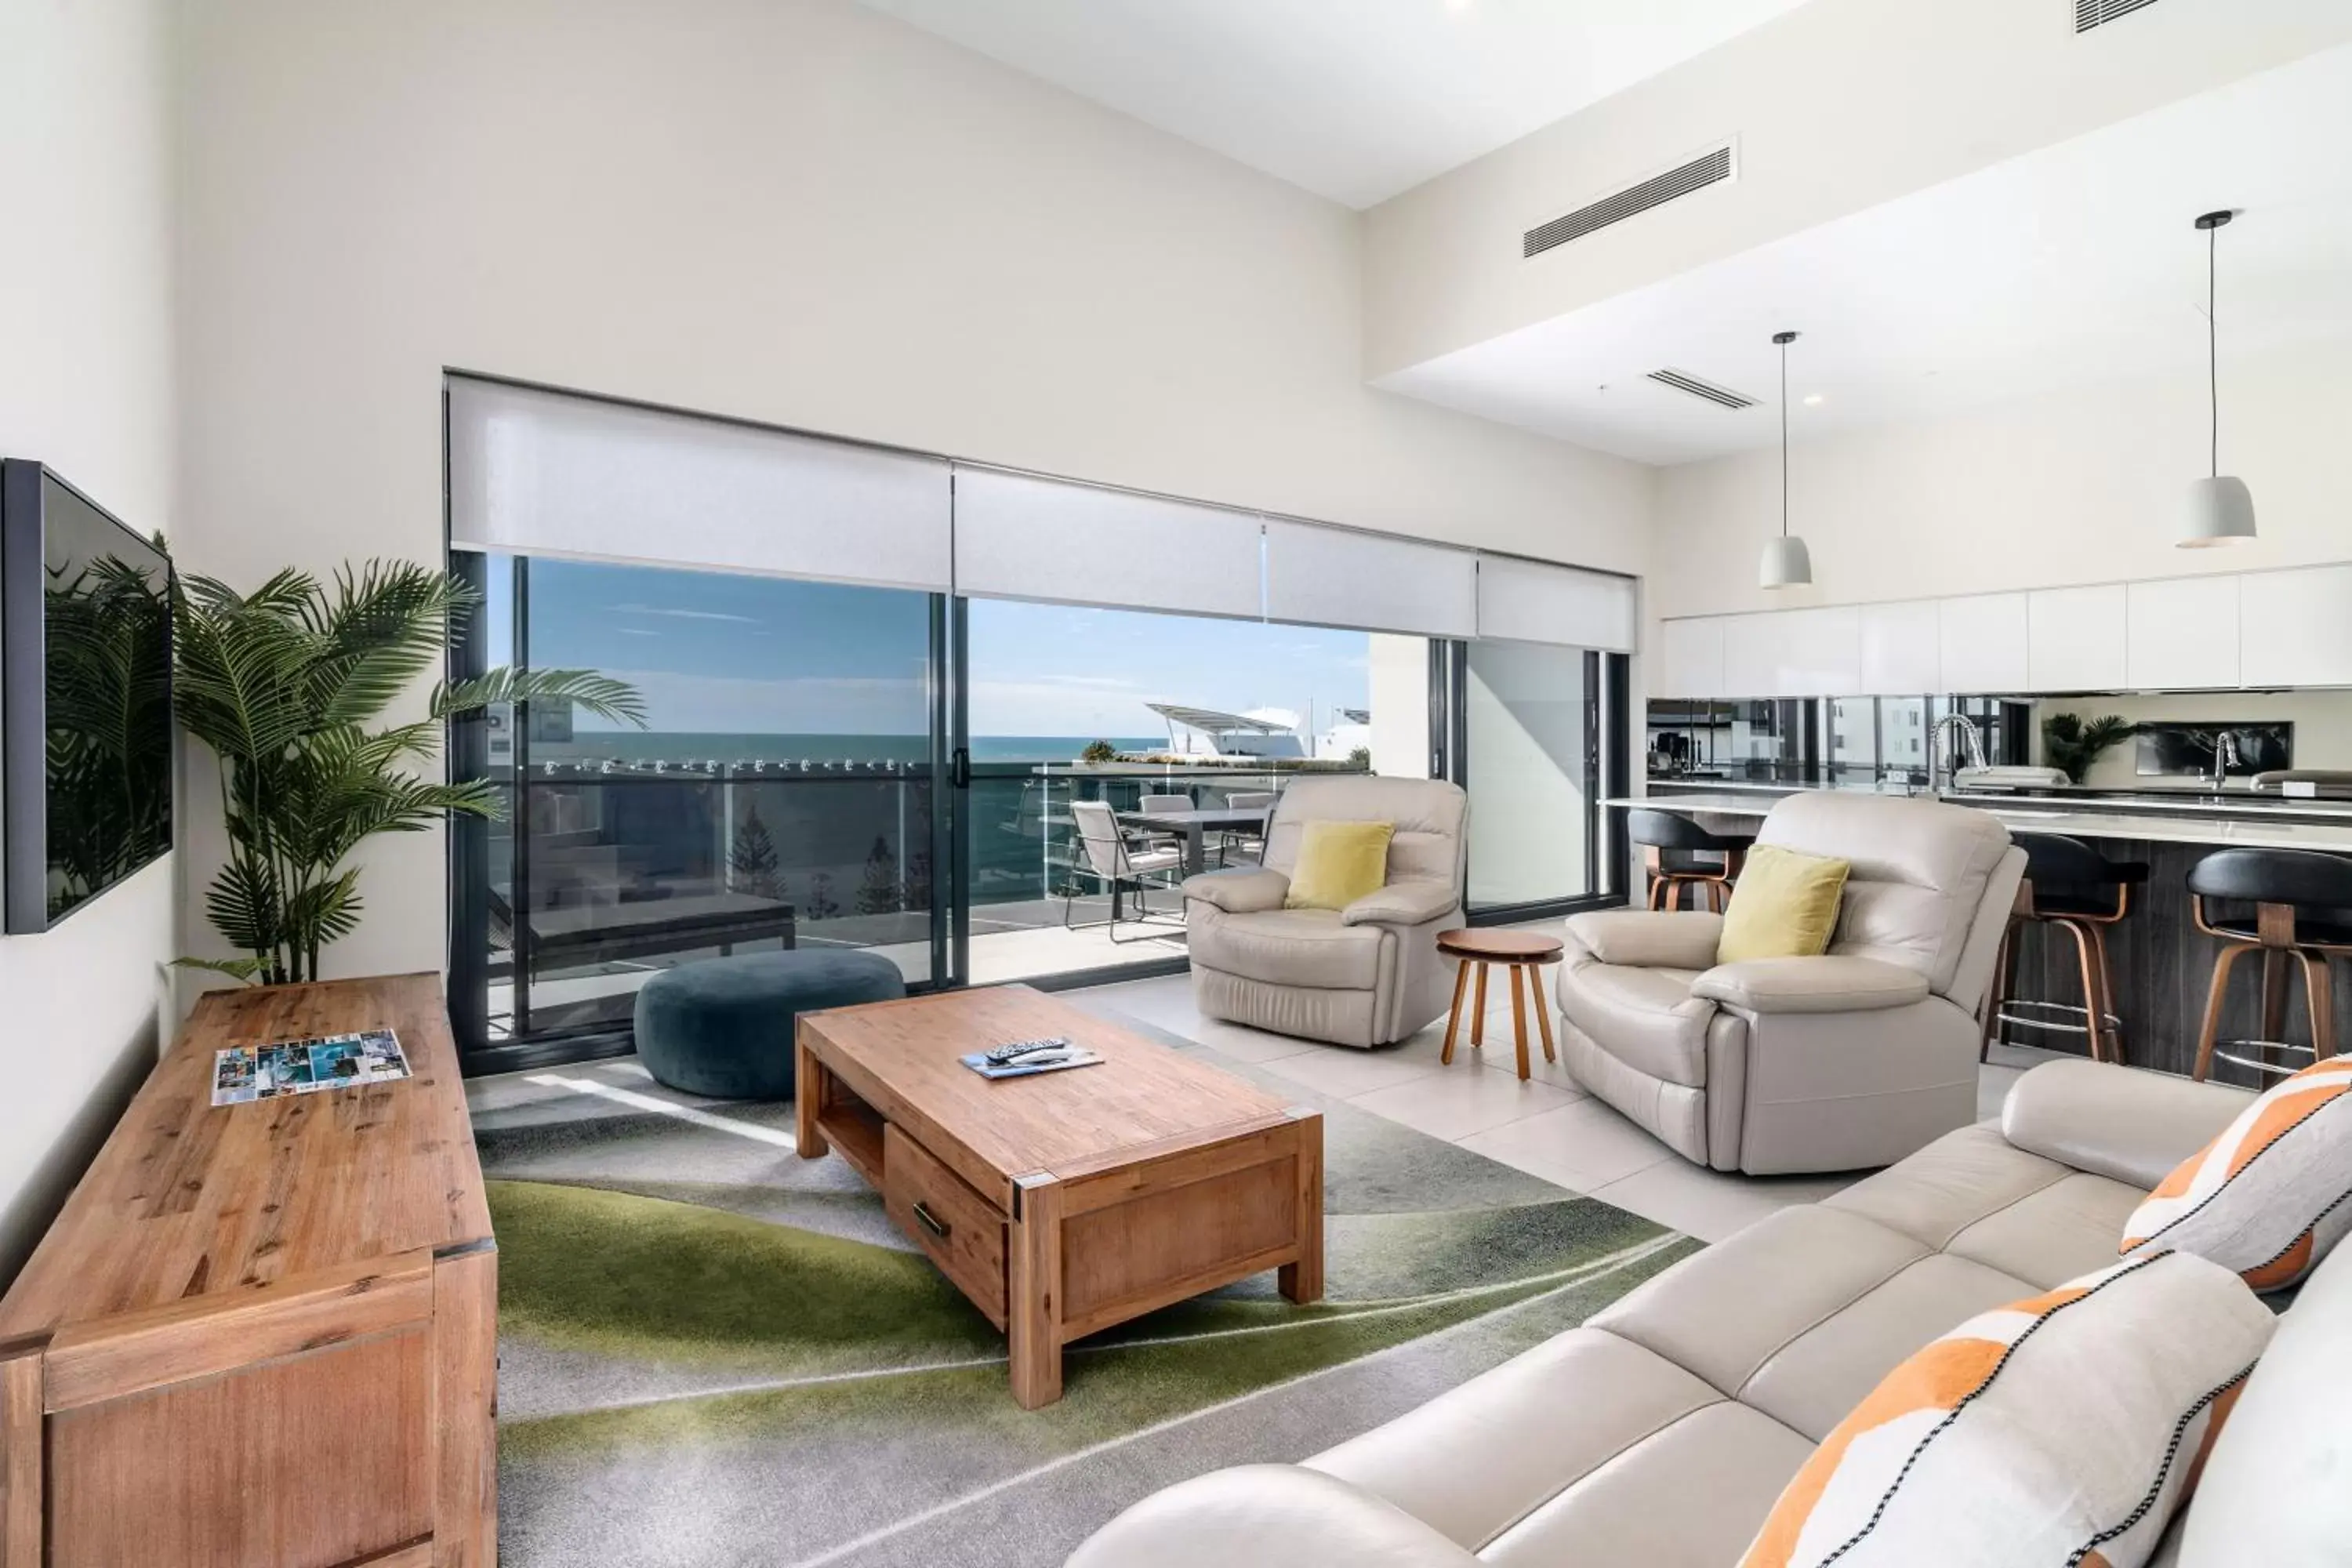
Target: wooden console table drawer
<point x="264" y="1336"/>
<point x="946" y="1220"/>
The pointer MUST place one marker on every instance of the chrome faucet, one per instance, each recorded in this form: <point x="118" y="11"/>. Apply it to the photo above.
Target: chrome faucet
<point x="1940" y="753"/>
<point x="2225" y="757"/>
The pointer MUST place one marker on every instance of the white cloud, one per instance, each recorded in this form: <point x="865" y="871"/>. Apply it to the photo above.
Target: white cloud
<point x="680" y="615"/>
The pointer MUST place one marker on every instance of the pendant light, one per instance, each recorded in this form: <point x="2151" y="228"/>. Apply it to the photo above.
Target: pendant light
<point x="2220" y="508"/>
<point x="1787" y="563"/>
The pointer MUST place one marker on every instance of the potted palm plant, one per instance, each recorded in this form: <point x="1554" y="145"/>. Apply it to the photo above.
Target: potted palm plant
<point x="287" y="685"/>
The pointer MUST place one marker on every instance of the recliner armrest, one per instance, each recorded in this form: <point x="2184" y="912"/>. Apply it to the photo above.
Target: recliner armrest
<point x="1239" y="892"/>
<point x="1649" y="939"/>
<point x="2112" y="1120"/>
<point x="1407" y="903"/>
<point x="1267" y="1516"/>
<point x="1830" y="983"/>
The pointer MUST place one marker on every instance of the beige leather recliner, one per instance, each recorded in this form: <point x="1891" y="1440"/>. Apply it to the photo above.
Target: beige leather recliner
<point x="1851" y="1059"/>
<point x="1365" y="976"/>
<point x="1661" y="1430"/>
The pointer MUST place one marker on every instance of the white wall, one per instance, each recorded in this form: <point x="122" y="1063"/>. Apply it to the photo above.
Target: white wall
<point x="2087" y="486"/>
<point x="1838" y="106"/>
<point x="790" y="210"/>
<point x="1399" y="695"/>
<point x="86" y="386"/>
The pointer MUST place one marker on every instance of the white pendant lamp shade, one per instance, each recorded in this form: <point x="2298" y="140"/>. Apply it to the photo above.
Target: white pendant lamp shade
<point x="2220" y="508"/>
<point x="1786" y="563"/>
<point x="2221" y="511"/>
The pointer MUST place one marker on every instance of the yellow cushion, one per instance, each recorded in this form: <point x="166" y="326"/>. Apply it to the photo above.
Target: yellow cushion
<point x="1785" y="905"/>
<point x="1338" y="862"/>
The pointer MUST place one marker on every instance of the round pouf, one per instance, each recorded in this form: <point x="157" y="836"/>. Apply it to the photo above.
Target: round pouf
<point x="723" y="1027"/>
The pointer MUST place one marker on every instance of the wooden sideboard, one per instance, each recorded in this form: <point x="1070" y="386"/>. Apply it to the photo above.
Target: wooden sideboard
<point x="264" y="1336"/>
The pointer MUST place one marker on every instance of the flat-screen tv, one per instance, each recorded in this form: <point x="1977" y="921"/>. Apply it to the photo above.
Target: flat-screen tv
<point x="85" y="699"/>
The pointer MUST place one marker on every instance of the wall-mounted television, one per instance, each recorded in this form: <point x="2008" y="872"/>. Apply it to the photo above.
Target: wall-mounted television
<point x="85" y="732"/>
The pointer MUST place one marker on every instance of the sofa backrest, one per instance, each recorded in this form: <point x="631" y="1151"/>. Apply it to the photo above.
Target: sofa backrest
<point x="1428" y="815"/>
<point x="1922" y="872"/>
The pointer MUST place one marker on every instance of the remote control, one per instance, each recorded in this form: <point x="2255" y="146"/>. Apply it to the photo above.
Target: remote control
<point x="1002" y="1055"/>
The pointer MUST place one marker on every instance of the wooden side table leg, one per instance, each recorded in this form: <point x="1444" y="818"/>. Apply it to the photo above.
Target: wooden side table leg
<point x="1543" y="1009"/>
<point x="1519" y="1019"/>
<point x="1454" y="1018"/>
<point x="1303" y="1282"/>
<point x="465" y="1408"/>
<point x="1034" y="1330"/>
<point x="1478" y="1019"/>
<point x="808" y="1098"/>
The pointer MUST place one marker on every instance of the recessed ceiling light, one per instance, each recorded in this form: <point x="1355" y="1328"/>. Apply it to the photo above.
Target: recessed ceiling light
<point x="1814" y="400"/>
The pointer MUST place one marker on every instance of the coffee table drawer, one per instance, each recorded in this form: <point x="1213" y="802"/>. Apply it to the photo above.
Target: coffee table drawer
<point x="951" y="1223"/>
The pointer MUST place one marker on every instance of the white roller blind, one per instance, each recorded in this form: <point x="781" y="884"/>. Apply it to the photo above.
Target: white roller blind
<point x="544" y="473"/>
<point x="1018" y="536"/>
<point x="1527" y="601"/>
<point x="1332" y="577"/>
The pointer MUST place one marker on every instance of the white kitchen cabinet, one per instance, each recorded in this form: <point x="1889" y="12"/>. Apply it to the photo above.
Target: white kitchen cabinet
<point x="2181" y="634"/>
<point x="1982" y="641"/>
<point x="2075" y="639"/>
<point x="1819" y="652"/>
<point x="1751" y="655"/>
<point x="1900" y="652"/>
<point x="1690" y="659"/>
<point x="2296" y="627"/>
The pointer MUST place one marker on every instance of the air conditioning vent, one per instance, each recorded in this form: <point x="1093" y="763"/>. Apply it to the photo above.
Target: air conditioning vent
<point x="1707" y="169"/>
<point x="1684" y="382"/>
<point x="2089" y="14"/>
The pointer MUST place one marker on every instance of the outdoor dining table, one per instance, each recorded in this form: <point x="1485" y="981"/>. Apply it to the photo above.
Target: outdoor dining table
<point x="1196" y="826"/>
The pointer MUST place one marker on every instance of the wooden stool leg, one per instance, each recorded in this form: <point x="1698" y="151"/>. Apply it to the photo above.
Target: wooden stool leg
<point x="1478" y="1017"/>
<point x="1543" y="1007"/>
<point x="2214" y="997"/>
<point x="2319" y="986"/>
<point x="1454" y="1018"/>
<point x="2107" y="990"/>
<point x="2090" y="977"/>
<point x="1520" y="1021"/>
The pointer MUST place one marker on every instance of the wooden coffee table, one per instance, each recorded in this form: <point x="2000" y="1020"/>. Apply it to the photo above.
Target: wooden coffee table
<point x="1063" y="1203"/>
<point x="1524" y="951"/>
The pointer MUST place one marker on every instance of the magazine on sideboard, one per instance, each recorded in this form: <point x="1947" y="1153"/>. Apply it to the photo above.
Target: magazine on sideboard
<point x="244" y="1074"/>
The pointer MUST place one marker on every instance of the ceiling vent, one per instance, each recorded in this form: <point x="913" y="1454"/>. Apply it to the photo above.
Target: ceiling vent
<point x="2089" y="14"/>
<point x="1707" y="169"/>
<point x="1684" y="382"/>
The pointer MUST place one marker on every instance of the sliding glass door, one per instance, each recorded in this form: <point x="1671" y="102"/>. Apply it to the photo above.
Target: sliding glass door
<point x="1538" y="738"/>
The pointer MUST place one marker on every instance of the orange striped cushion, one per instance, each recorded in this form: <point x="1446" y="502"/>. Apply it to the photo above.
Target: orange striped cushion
<point x="2273" y="1193"/>
<point x="2063" y="1428"/>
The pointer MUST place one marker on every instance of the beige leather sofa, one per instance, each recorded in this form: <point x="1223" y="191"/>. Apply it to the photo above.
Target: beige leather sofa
<point x="1852" y="1059"/>
<point x="1365" y="976"/>
<point x="1659" y="1434"/>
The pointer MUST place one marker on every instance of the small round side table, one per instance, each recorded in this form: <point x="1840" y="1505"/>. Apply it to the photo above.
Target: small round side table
<point x="1524" y="951"/>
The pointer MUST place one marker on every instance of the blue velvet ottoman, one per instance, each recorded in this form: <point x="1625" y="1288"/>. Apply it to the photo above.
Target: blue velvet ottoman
<point x="723" y="1027"/>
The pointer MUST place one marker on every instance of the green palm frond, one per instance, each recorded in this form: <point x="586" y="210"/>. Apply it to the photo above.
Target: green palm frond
<point x="288" y="684"/>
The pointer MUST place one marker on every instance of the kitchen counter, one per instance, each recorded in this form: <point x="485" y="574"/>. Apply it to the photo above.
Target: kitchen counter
<point x="2258" y="827"/>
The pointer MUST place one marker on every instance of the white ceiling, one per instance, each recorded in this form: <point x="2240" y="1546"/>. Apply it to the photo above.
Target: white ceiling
<point x="2074" y="265"/>
<point x="1356" y="99"/>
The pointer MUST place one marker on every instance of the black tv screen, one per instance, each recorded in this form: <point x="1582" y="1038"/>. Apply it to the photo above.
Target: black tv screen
<point x="85" y="698"/>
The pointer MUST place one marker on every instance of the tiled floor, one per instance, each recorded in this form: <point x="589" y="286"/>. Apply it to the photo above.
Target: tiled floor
<point x="1548" y="1126"/>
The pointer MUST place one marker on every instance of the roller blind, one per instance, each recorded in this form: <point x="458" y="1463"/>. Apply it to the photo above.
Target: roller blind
<point x="1333" y="577"/>
<point x="549" y="474"/>
<point x="1528" y="601"/>
<point x="1018" y="536"/>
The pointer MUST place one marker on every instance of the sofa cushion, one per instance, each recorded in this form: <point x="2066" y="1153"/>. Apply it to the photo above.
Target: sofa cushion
<point x="1516" y="1436"/>
<point x="2272" y="1193"/>
<point x="1338" y="862"/>
<point x="2056" y="1427"/>
<point x="1309" y="948"/>
<point x="1785" y="905"/>
<point x="1687" y="1496"/>
<point x="1648" y="1016"/>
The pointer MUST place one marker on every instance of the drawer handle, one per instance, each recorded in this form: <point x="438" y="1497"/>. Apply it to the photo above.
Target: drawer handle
<point x="931" y="1222"/>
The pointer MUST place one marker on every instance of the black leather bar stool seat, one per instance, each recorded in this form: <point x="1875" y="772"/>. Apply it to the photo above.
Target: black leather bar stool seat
<point x="1681" y="854"/>
<point x="2068" y="887"/>
<point x="2301" y="915"/>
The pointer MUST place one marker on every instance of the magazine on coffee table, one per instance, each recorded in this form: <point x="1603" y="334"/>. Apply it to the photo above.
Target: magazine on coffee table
<point x="244" y="1074"/>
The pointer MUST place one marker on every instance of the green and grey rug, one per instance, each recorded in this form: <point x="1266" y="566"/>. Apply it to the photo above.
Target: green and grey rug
<point x="715" y="1353"/>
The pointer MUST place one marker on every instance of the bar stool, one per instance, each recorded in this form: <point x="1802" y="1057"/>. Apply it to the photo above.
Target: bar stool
<point x="2072" y="886"/>
<point x="2302" y="900"/>
<point x="1672" y="846"/>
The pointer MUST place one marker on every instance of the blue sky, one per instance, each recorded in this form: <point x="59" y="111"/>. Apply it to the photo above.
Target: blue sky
<point x="728" y="653"/>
